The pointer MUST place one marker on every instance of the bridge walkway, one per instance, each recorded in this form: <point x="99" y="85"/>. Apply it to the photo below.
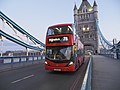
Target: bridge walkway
<point x="106" y="73"/>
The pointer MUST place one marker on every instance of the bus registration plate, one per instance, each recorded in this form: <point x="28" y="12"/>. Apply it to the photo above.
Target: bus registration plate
<point x="57" y="69"/>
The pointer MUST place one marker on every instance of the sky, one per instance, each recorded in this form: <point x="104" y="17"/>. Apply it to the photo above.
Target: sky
<point x="35" y="16"/>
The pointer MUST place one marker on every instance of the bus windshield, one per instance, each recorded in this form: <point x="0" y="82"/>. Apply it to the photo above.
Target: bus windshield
<point x="60" y="30"/>
<point x="59" y="53"/>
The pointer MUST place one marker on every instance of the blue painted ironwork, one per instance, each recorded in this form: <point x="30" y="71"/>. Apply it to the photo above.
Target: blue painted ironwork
<point x="9" y="21"/>
<point x="11" y="62"/>
<point x="14" y="59"/>
<point x="107" y="45"/>
<point x="18" y="41"/>
<point x="109" y="50"/>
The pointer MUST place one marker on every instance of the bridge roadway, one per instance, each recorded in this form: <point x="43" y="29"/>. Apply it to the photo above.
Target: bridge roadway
<point x="106" y="73"/>
<point x="34" y="77"/>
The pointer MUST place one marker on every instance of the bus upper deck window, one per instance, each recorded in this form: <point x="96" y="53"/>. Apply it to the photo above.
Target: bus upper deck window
<point x="50" y="32"/>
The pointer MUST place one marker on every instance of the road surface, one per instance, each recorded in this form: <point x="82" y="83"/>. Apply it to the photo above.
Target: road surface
<point x="34" y="77"/>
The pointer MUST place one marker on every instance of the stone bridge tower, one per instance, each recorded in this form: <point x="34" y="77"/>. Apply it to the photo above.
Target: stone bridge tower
<point x="84" y="18"/>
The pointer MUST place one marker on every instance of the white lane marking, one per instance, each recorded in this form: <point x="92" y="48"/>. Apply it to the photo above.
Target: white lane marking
<point x="22" y="79"/>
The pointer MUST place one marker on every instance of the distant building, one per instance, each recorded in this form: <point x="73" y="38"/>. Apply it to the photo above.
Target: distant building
<point x="84" y="18"/>
<point x="22" y="53"/>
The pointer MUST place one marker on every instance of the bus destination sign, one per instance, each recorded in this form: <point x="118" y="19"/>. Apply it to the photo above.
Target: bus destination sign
<point x="58" y="39"/>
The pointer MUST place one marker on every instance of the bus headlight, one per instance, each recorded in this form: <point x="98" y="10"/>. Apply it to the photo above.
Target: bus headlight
<point x="70" y="63"/>
<point x="46" y="62"/>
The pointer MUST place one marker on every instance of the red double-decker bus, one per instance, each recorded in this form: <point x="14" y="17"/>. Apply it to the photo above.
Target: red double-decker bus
<point x="64" y="50"/>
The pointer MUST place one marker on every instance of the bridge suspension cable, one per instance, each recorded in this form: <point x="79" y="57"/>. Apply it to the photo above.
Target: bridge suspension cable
<point x="106" y="44"/>
<point x="38" y="44"/>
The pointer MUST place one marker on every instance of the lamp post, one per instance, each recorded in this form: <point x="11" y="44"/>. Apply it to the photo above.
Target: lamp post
<point x="1" y="45"/>
<point x="27" y="50"/>
<point x="1" y="38"/>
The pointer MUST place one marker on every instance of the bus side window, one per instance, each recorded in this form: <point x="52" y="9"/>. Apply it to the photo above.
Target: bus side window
<point x="50" y="32"/>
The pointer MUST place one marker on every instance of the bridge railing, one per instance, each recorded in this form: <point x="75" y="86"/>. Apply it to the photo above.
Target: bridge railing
<point x="110" y="53"/>
<point x="19" y="61"/>
<point x="86" y="85"/>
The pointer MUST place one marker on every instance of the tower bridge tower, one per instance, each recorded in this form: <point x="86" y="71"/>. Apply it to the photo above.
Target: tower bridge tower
<point x="84" y="18"/>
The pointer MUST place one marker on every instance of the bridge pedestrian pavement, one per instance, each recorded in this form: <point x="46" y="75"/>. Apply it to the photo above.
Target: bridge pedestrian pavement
<point x="106" y="73"/>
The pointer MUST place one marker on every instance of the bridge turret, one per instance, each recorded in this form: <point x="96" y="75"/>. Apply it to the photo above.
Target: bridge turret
<point x="75" y="10"/>
<point x="85" y="18"/>
<point x="95" y="9"/>
<point x="75" y="14"/>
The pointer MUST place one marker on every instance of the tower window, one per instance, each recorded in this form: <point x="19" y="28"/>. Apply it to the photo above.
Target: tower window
<point x="90" y="35"/>
<point x="83" y="11"/>
<point x="86" y="28"/>
<point x="80" y="28"/>
<point x="86" y="36"/>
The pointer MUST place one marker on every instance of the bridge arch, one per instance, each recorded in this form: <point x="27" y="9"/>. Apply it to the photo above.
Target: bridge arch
<point x="91" y="48"/>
